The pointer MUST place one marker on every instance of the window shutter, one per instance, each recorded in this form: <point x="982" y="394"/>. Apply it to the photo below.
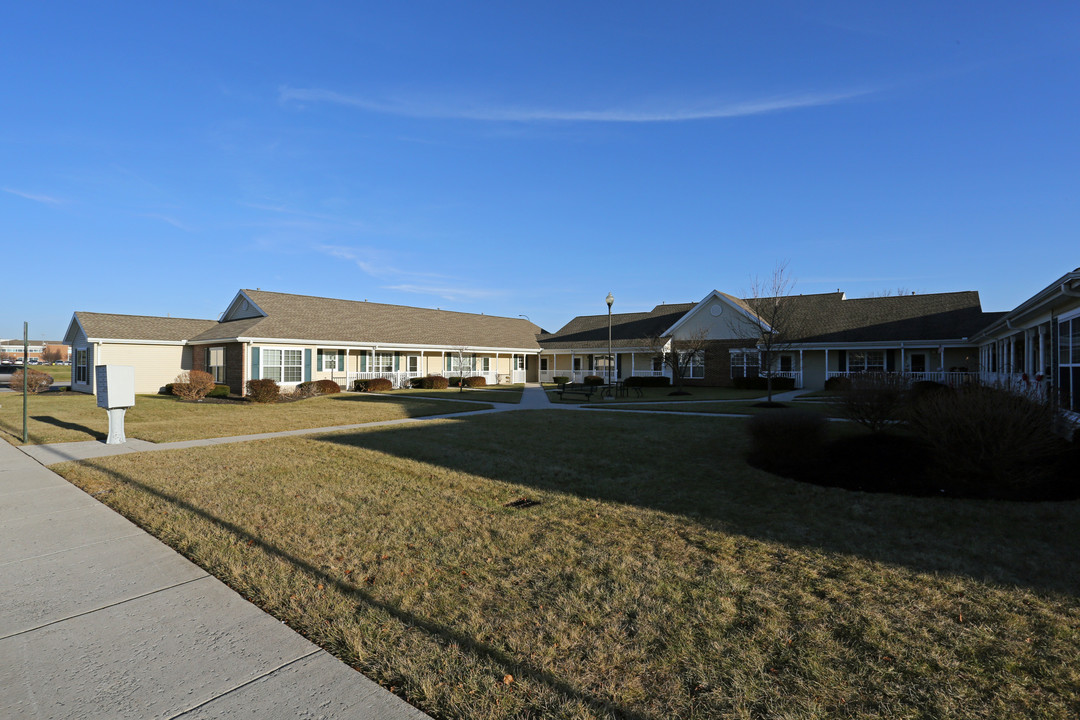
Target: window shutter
<point x="397" y="361"/>
<point x="341" y="361"/>
<point x="363" y="362"/>
<point x="255" y="352"/>
<point x="206" y="359"/>
<point x="842" y="360"/>
<point x="318" y="360"/>
<point x="447" y="363"/>
<point x="307" y="364"/>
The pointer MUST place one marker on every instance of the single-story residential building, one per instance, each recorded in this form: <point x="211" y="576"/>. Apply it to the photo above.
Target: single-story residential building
<point x="296" y="338"/>
<point x="824" y="335"/>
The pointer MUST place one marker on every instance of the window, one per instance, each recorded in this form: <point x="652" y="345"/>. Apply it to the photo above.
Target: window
<point x="745" y="363"/>
<point x="283" y="365"/>
<point x="456" y="364"/>
<point x="1069" y="363"/>
<point x="693" y="364"/>
<point x="485" y="364"/>
<point x="414" y="363"/>
<point x="866" y="361"/>
<point x="215" y="363"/>
<point x="384" y="363"/>
<point x="543" y="363"/>
<point x="329" y="360"/>
<point x="80" y="366"/>
<point x="519" y="362"/>
<point x="577" y="364"/>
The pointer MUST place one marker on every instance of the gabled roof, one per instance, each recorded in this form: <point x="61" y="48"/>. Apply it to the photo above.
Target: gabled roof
<point x="1066" y="286"/>
<point x="303" y="317"/>
<point x="627" y="329"/>
<point x="831" y="317"/>
<point x="107" y="326"/>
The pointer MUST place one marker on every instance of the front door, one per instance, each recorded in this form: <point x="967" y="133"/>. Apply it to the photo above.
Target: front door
<point x="918" y="363"/>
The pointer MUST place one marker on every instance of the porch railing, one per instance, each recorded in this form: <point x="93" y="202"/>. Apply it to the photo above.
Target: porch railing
<point x="952" y="379"/>
<point x="398" y="379"/>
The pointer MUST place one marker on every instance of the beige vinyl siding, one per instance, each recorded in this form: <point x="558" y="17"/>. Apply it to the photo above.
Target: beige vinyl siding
<point x="155" y="365"/>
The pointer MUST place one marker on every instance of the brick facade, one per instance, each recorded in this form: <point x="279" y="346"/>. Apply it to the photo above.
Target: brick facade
<point x="234" y="364"/>
<point x="718" y="363"/>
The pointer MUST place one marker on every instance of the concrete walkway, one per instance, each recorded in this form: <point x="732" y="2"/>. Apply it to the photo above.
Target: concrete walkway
<point x="100" y="620"/>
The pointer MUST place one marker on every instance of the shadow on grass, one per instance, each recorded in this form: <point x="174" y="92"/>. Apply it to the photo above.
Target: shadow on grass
<point x="447" y="634"/>
<point x="49" y="420"/>
<point x="696" y="467"/>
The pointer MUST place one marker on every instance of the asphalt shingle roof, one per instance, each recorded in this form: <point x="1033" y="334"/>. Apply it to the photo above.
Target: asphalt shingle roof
<point x="140" y="327"/>
<point x="305" y="317"/>
<point x="627" y="329"/>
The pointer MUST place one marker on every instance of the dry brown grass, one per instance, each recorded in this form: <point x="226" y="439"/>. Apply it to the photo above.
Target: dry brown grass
<point x="71" y="417"/>
<point x="656" y="579"/>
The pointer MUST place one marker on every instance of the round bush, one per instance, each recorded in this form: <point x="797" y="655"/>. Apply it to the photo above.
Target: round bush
<point x="263" y="391"/>
<point x="560" y="379"/>
<point x="374" y="385"/>
<point x="593" y="380"/>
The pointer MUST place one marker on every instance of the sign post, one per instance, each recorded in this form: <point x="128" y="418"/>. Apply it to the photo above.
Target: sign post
<point x="116" y="393"/>
<point x="25" y="366"/>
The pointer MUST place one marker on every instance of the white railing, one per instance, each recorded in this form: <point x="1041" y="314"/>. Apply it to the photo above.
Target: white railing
<point x="952" y="379"/>
<point x="516" y="376"/>
<point x="579" y="375"/>
<point x="398" y="379"/>
<point x="795" y="375"/>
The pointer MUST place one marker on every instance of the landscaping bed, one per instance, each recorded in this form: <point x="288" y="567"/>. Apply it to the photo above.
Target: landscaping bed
<point x="554" y="564"/>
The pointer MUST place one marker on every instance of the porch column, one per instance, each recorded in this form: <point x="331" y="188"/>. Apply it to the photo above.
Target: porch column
<point x="631" y="364"/>
<point x="1042" y="351"/>
<point x="903" y="360"/>
<point x="497" y="369"/>
<point x="573" y="378"/>
<point x="826" y="363"/>
<point x="802" y="371"/>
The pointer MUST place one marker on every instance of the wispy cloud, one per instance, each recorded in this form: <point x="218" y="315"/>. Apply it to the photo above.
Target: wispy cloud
<point x="448" y="293"/>
<point x="170" y="220"/>
<point x="372" y="261"/>
<point x="655" y="113"/>
<point x="32" y="196"/>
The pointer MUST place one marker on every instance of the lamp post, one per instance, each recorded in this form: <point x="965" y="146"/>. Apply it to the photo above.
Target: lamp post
<point x="610" y="299"/>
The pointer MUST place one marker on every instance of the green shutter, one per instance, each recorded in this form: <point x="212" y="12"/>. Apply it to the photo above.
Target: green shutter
<point x="363" y="362"/>
<point x="447" y="363"/>
<point x="397" y="361"/>
<point x="341" y="360"/>
<point x="307" y="364"/>
<point x="318" y="360"/>
<point x="255" y="352"/>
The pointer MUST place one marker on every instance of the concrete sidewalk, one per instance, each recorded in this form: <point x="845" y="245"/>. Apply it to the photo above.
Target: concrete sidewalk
<point x="100" y="620"/>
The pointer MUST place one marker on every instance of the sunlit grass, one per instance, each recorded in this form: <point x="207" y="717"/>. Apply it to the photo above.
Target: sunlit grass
<point x="659" y="577"/>
<point x="71" y="417"/>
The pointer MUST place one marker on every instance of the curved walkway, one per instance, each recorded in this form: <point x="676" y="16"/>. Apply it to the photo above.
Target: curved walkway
<point x="100" y="619"/>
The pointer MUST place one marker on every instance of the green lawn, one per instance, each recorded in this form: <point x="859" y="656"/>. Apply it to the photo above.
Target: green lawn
<point x="493" y="393"/>
<point x="662" y="395"/>
<point x="71" y="417"/>
<point x="658" y="577"/>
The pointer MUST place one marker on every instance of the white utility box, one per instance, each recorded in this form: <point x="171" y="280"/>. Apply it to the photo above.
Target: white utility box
<point x="116" y="393"/>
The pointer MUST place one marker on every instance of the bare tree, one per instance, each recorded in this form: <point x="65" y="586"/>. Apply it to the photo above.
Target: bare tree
<point x="679" y="354"/>
<point x="898" y="292"/>
<point x="771" y="323"/>
<point x="51" y="355"/>
<point x="463" y="355"/>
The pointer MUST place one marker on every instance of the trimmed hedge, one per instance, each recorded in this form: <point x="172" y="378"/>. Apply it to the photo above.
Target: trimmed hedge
<point x="373" y="385"/>
<point x="263" y="391"/>
<point x="593" y="380"/>
<point x="327" y="387"/>
<point x="648" y="381"/>
<point x="560" y="379"/>
<point x="430" y="382"/>
<point x="837" y="383"/>
<point x="219" y="391"/>
<point x="779" y="384"/>
<point x="476" y="381"/>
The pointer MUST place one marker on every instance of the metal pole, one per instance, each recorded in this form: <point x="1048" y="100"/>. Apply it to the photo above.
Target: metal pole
<point x="25" y="354"/>
<point x="610" y="299"/>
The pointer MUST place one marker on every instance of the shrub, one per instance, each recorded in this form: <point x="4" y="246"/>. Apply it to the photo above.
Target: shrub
<point x="430" y="382"/>
<point x="476" y="381"/>
<point x="648" y="381"/>
<point x="874" y="400"/>
<point x="304" y="390"/>
<point x="373" y="385"/>
<point x="263" y="391"/>
<point x="786" y="441"/>
<point x="779" y="384"/>
<point x="219" y="391"/>
<point x="593" y="380"/>
<point x="327" y="387"/>
<point x="192" y="384"/>
<point x="988" y="441"/>
<point x="837" y="383"/>
<point x="167" y="390"/>
<point x="560" y="379"/>
<point x="924" y="388"/>
<point x="36" y="381"/>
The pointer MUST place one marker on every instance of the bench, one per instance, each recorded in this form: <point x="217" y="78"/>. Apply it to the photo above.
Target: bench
<point x="577" y="388"/>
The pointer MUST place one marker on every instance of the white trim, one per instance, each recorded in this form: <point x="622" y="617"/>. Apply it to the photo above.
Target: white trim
<point x="127" y="341"/>
<point x="241" y="294"/>
<point x="371" y="345"/>
<point x="722" y="297"/>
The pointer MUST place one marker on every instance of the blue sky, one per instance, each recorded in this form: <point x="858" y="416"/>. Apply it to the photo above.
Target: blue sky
<point x="527" y="158"/>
